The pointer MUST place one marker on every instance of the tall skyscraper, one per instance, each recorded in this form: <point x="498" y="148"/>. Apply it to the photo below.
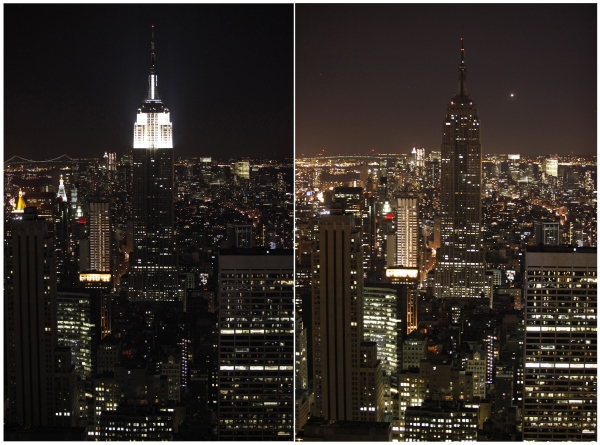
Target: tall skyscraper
<point x="100" y="237"/>
<point x="41" y="387"/>
<point x="256" y="345"/>
<point x="561" y="344"/>
<point x="407" y="232"/>
<point x="345" y="368"/>
<point x="152" y="267"/>
<point x="460" y="270"/>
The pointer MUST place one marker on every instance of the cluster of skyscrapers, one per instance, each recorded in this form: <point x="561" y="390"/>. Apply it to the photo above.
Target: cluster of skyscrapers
<point x="371" y="333"/>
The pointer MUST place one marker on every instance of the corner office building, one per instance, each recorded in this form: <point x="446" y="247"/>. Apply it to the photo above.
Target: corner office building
<point x="256" y="345"/>
<point x="152" y="266"/>
<point x="561" y="352"/>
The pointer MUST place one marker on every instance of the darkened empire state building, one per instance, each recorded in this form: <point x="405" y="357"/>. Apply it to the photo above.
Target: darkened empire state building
<point x="152" y="267"/>
<point x="460" y="268"/>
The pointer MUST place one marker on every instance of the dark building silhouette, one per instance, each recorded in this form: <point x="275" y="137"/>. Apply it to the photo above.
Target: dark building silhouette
<point x="460" y="269"/>
<point x="346" y="372"/>
<point x="40" y="379"/>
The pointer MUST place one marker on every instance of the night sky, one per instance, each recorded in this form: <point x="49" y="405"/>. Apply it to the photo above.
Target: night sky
<point x="75" y="75"/>
<point x="380" y="76"/>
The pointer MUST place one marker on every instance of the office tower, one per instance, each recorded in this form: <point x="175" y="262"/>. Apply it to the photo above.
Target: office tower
<point x="546" y="232"/>
<point x="337" y="292"/>
<point x="411" y="392"/>
<point x="380" y="325"/>
<point x="112" y="162"/>
<point x="134" y="423"/>
<point x="460" y="270"/>
<point x="100" y="237"/>
<point x="414" y="349"/>
<point x="407" y="232"/>
<point x="242" y="169"/>
<point x="41" y="381"/>
<point x="171" y="369"/>
<point x="551" y="167"/>
<point x="75" y="329"/>
<point x="239" y="235"/>
<point x="301" y="356"/>
<point x="561" y="352"/>
<point x="406" y="281"/>
<point x="476" y="364"/>
<point x="302" y="395"/>
<point x="256" y="345"/>
<point x="61" y="233"/>
<point x="441" y="423"/>
<point x="152" y="267"/>
<point x="370" y="394"/>
<point x="108" y="354"/>
<point x="76" y="333"/>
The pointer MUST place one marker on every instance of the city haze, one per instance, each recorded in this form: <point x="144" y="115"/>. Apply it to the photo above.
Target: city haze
<point x="378" y="77"/>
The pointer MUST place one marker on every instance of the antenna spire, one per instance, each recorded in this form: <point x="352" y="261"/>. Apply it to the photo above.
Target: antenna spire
<point x="152" y="53"/>
<point x="462" y="69"/>
<point x="152" y="78"/>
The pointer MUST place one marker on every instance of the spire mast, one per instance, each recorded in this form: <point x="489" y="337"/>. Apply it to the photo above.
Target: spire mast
<point x="462" y="69"/>
<point x="152" y="53"/>
<point x="152" y="78"/>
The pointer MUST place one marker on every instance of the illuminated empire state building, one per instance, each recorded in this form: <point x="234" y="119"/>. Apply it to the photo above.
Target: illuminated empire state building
<point x="152" y="267"/>
<point x="460" y="269"/>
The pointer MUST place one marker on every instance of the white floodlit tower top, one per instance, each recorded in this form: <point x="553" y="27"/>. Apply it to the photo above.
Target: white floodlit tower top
<point x="153" y="128"/>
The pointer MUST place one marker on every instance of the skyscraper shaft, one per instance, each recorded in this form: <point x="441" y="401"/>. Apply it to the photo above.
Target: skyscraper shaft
<point x="152" y="271"/>
<point x="460" y="270"/>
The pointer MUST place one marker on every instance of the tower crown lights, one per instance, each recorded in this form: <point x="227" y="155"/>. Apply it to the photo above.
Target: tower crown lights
<point x="153" y="127"/>
<point x="61" y="190"/>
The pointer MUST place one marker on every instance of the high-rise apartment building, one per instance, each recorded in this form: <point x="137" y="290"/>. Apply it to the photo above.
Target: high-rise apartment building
<point x="256" y="345"/>
<point x="152" y="266"/>
<point x="337" y="292"/>
<point x="460" y="268"/>
<point x="561" y="350"/>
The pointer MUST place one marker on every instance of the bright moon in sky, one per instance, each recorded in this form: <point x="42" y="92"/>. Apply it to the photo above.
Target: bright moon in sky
<point x="512" y="95"/>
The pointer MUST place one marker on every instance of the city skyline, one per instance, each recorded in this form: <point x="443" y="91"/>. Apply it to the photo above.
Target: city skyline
<point x="200" y="278"/>
<point x="374" y="77"/>
<point x="64" y="63"/>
